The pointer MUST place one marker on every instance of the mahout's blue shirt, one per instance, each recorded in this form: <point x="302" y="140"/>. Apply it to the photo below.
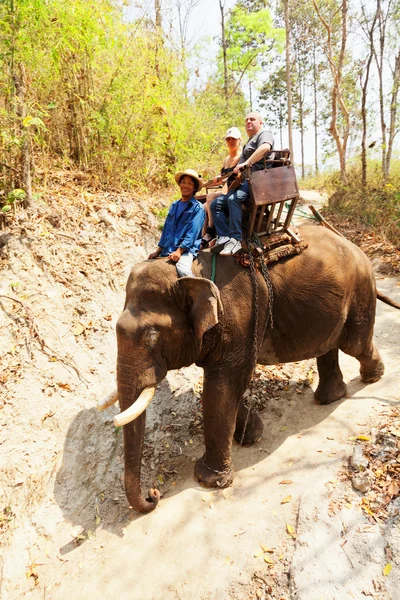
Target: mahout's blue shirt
<point x="183" y="231"/>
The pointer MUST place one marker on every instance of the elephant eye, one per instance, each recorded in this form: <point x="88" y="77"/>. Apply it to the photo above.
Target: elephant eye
<point x="150" y="337"/>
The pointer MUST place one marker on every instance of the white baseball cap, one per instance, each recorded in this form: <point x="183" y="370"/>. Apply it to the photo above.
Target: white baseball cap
<point x="233" y="132"/>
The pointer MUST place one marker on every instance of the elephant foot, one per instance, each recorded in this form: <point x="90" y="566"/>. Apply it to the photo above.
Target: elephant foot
<point x="210" y="477"/>
<point x="328" y="394"/>
<point x="248" y="433"/>
<point x="371" y="373"/>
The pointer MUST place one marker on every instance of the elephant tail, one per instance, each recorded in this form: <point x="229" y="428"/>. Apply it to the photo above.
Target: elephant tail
<point x="386" y="300"/>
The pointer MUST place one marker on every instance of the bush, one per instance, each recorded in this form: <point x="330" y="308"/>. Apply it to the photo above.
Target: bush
<point x="378" y="205"/>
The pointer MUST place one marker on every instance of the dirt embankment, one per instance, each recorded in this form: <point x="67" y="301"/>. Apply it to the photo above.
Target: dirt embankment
<point x="65" y="527"/>
<point x="62" y="277"/>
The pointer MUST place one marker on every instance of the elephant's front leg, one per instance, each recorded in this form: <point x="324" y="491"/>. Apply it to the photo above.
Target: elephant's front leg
<point x="249" y="426"/>
<point x="222" y="393"/>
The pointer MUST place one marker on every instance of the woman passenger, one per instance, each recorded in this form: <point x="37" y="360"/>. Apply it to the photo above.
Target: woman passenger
<point x="234" y="142"/>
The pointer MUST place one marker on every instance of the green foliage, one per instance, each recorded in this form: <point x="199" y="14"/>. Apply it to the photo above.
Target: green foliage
<point x="12" y="198"/>
<point x="378" y="205"/>
<point x="273" y="95"/>
<point x="104" y="95"/>
<point x="250" y="36"/>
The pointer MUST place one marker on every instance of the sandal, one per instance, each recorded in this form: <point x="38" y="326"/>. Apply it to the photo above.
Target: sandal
<point x="207" y="238"/>
<point x="205" y="241"/>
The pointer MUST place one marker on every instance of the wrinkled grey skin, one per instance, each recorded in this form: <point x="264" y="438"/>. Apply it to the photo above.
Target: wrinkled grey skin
<point x="323" y="300"/>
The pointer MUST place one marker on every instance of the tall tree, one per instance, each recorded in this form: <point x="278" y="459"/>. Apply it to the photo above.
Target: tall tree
<point x="386" y="47"/>
<point x="223" y="47"/>
<point x="335" y="23"/>
<point x="273" y="96"/>
<point x="288" y="76"/>
<point x="249" y="37"/>
<point x="368" y="24"/>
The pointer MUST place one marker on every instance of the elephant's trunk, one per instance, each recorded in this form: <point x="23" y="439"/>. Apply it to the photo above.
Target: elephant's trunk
<point x="134" y="437"/>
<point x="133" y="443"/>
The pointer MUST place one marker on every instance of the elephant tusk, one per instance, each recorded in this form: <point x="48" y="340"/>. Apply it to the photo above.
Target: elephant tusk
<point x="108" y="400"/>
<point x="136" y="409"/>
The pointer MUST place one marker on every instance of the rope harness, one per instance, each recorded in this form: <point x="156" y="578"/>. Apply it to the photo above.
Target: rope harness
<point x="254" y="243"/>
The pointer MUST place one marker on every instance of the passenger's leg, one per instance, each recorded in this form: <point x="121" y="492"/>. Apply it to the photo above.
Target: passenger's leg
<point x="235" y="201"/>
<point x="184" y="265"/>
<point x="220" y="215"/>
<point x="208" y="223"/>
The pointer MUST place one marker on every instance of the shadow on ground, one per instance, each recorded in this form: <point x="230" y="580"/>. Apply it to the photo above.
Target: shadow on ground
<point x="89" y="484"/>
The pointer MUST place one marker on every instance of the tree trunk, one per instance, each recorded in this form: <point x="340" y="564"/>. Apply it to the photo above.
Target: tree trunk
<point x="393" y="111"/>
<point x="337" y="100"/>
<point x="301" y="117"/>
<point x="288" y="77"/>
<point x="157" y="6"/>
<point x="225" y="61"/>
<point x="250" y="96"/>
<point x="20" y="91"/>
<point x="379" y="64"/>
<point x="364" y="89"/>
<point x="315" y="112"/>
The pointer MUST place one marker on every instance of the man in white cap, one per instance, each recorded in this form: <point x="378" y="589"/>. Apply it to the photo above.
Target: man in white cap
<point x="226" y="210"/>
<point x="181" y="236"/>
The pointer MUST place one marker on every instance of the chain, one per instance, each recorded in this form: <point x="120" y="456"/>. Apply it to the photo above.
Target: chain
<point x="265" y="273"/>
<point x="226" y="472"/>
<point x="252" y="242"/>
<point x="255" y="333"/>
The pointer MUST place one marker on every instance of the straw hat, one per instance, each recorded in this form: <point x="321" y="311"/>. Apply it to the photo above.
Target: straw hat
<point x="191" y="174"/>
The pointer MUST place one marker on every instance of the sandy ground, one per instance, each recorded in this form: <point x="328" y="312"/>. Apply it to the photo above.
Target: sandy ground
<point x="67" y="531"/>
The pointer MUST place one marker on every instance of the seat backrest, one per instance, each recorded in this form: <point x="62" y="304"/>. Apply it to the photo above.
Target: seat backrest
<point x="273" y="185"/>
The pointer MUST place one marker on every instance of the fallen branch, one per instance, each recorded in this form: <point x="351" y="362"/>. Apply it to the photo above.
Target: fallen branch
<point x="323" y="221"/>
<point x="3" y="164"/>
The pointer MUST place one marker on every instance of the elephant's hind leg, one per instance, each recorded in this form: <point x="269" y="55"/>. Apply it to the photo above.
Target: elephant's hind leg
<point x="331" y="386"/>
<point x="249" y="426"/>
<point x="371" y="365"/>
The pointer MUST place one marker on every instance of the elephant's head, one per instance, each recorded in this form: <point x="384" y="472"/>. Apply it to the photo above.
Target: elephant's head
<point x="162" y="327"/>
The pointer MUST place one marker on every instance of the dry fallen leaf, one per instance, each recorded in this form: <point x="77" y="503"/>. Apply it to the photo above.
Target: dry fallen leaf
<point x="77" y="329"/>
<point x="258" y="553"/>
<point x="290" y="529"/>
<point x="363" y="438"/>
<point x="65" y="386"/>
<point x="285" y="482"/>
<point x="267" y="549"/>
<point x="286" y="499"/>
<point x="48" y="415"/>
<point x="31" y="572"/>
<point x="268" y="560"/>
<point x="386" y="570"/>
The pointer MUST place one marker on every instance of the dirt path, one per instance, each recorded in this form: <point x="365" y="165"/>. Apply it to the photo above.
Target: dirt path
<point x="71" y="533"/>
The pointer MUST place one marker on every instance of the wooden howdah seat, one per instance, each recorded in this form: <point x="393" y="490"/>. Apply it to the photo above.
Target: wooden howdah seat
<point x="273" y="197"/>
<point x="270" y="190"/>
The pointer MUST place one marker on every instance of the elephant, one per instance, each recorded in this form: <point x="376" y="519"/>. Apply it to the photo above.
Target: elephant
<point x="322" y="301"/>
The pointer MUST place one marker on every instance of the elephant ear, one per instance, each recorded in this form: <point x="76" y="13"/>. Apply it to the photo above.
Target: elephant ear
<point x="204" y="301"/>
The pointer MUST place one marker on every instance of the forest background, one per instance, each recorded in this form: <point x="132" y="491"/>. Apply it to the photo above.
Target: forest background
<point x="128" y="102"/>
